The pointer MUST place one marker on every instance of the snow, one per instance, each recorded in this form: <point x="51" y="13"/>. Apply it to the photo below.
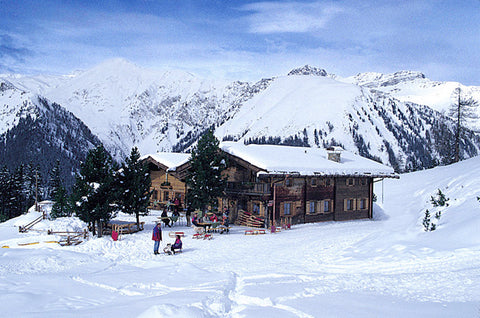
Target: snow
<point x="169" y="159"/>
<point x="304" y="160"/>
<point x="408" y="86"/>
<point x="385" y="267"/>
<point x="290" y="104"/>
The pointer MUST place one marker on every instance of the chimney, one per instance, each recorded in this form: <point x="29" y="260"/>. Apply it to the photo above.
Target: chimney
<point x="334" y="153"/>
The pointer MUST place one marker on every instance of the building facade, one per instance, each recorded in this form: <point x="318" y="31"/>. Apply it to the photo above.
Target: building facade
<point x="289" y="184"/>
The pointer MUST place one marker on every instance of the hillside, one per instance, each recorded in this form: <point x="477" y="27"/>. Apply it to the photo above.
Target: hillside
<point x="39" y="132"/>
<point x="415" y="87"/>
<point x="124" y="105"/>
<point x="385" y="267"/>
<point x="319" y="111"/>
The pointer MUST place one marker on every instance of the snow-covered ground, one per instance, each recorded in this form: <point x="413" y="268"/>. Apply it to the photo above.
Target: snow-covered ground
<point x="386" y="267"/>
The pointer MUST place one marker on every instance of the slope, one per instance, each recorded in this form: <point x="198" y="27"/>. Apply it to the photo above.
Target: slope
<point x="311" y="110"/>
<point x="36" y="131"/>
<point x="415" y="87"/>
<point x="125" y="105"/>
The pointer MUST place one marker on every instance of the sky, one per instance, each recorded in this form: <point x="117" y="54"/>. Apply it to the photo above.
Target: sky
<point x="244" y="40"/>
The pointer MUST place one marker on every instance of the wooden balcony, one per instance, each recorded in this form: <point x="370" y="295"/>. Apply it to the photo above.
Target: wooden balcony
<point x="248" y="188"/>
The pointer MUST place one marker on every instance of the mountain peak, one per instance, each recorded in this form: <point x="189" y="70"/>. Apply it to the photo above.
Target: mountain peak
<point x="308" y="70"/>
<point x="379" y="79"/>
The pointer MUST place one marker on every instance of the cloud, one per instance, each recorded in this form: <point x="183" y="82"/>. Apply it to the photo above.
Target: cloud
<point x="295" y="17"/>
<point x="11" y="53"/>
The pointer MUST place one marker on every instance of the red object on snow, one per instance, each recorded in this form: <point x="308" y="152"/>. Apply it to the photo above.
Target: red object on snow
<point x="114" y="235"/>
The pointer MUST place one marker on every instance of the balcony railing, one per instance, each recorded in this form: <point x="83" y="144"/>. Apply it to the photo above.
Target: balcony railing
<point x="251" y="188"/>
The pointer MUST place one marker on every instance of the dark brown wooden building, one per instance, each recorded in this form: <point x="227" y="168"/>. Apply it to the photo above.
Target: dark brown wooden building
<point x="297" y="184"/>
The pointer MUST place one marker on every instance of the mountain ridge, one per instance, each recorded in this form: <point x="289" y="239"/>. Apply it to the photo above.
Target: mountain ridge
<point x="371" y="114"/>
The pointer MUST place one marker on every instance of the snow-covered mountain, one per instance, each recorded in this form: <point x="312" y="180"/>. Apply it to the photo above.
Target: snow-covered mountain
<point x="125" y="105"/>
<point x="409" y="86"/>
<point x="315" y="109"/>
<point x="34" y="130"/>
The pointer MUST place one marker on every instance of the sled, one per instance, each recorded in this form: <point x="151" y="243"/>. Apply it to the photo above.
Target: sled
<point x="198" y="236"/>
<point x="255" y="232"/>
<point x="207" y="236"/>
<point x="168" y="250"/>
<point x="174" y="234"/>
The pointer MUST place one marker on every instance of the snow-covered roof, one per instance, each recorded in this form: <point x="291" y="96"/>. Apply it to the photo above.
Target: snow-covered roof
<point x="171" y="160"/>
<point x="274" y="159"/>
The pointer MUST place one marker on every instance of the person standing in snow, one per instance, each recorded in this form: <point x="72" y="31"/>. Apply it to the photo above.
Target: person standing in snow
<point x="157" y="237"/>
<point x="225" y="220"/>
<point x="195" y="219"/>
<point x="188" y="215"/>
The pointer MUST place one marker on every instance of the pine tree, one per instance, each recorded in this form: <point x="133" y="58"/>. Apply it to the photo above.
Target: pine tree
<point x="17" y="199"/>
<point x="58" y="193"/>
<point x="61" y="207"/>
<point x="134" y="184"/>
<point x="426" y="221"/>
<point x="4" y="179"/>
<point x="204" y="177"/>
<point x="94" y="189"/>
<point x="55" y="181"/>
<point x="461" y="110"/>
<point x="31" y="183"/>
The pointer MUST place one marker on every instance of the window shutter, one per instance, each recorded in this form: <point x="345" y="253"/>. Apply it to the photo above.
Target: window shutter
<point x="345" y="204"/>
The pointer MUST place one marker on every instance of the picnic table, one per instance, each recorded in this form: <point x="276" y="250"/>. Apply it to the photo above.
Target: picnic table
<point x="173" y="218"/>
<point x="206" y="226"/>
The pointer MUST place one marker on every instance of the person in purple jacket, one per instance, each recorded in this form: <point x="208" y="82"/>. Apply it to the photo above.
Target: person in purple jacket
<point x="157" y="237"/>
<point x="177" y="245"/>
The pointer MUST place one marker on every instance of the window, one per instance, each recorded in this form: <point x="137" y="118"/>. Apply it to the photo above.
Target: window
<point x="350" y="181"/>
<point x="328" y="182"/>
<point x="314" y="182"/>
<point x="288" y="182"/>
<point x="287" y="208"/>
<point x="363" y="204"/>
<point x="349" y="204"/>
<point x="364" y="181"/>
<point x="155" y="194"/>
<point x="311" y="207"/>
<point x="166" y="196"/>
<point x="326" y="206"/>
<point x="256" y="208"/>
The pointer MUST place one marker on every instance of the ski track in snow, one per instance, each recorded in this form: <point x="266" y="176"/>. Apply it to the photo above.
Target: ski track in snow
<point x="243" y="284"/>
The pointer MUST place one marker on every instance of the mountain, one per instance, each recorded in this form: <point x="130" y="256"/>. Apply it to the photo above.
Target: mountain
<point x="125" y="105"/>
<point x="322" y="111"/>
<point x="388" y="118"/>
<point x="36" y="131"/>
<point x="415" y="87"/>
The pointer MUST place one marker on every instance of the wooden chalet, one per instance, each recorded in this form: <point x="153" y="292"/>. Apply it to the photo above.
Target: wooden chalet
<point x="167" y="188"/>
<point x="296" y="184"/>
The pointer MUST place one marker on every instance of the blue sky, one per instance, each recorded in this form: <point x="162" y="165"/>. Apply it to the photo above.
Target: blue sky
<point x="244" y="40"/>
